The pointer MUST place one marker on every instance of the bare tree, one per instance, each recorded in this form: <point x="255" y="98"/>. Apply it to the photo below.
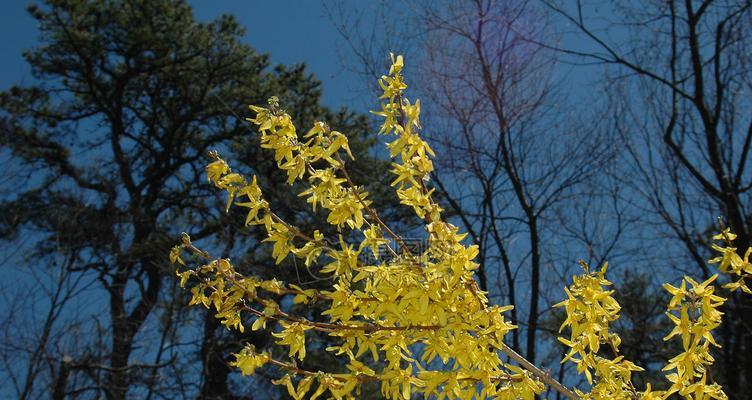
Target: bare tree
<point x="34" y="349"/>
<point x="679" y="73"/>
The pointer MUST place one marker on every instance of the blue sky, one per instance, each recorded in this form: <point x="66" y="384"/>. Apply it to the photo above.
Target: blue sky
<point x="290" y="31"/>
<point x="273" y="27"/>
<point x="18" y="31"/>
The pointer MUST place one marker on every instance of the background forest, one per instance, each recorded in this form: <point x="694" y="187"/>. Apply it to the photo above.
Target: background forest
<point x="570" y="130"/>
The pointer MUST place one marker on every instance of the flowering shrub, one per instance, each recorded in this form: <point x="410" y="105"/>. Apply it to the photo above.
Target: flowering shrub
<point x="420" y="314"/>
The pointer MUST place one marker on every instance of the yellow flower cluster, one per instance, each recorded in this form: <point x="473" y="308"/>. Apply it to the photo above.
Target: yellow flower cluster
<point x="693" y="309"/>
<point x="403" y="119"/>
<point x="590" y="310"/>
<point x="731" y="263"/>
<point x="248" y="360"/>
<point x="698" y="315"/>
<point x="420" y="313"/>
<point x="418" y="317"/>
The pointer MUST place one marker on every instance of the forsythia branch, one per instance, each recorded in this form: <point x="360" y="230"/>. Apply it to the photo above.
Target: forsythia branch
<point x="421" y="312"/>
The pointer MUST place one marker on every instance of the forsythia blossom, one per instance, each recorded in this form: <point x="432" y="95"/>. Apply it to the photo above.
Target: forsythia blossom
<point x="698" y="315"/>
<point x="731" y="263"/>
<point x="418" y="315"/>
<point x="590" y="310"/>
<point x="383" y="309"/>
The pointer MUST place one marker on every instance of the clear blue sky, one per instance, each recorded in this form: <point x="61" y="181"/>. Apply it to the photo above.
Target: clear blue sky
<point x="18" y="31"/>
<point x="290" y="31"/>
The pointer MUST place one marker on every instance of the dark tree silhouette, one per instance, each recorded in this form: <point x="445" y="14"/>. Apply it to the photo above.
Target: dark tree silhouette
<point x="112" y="135"/>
